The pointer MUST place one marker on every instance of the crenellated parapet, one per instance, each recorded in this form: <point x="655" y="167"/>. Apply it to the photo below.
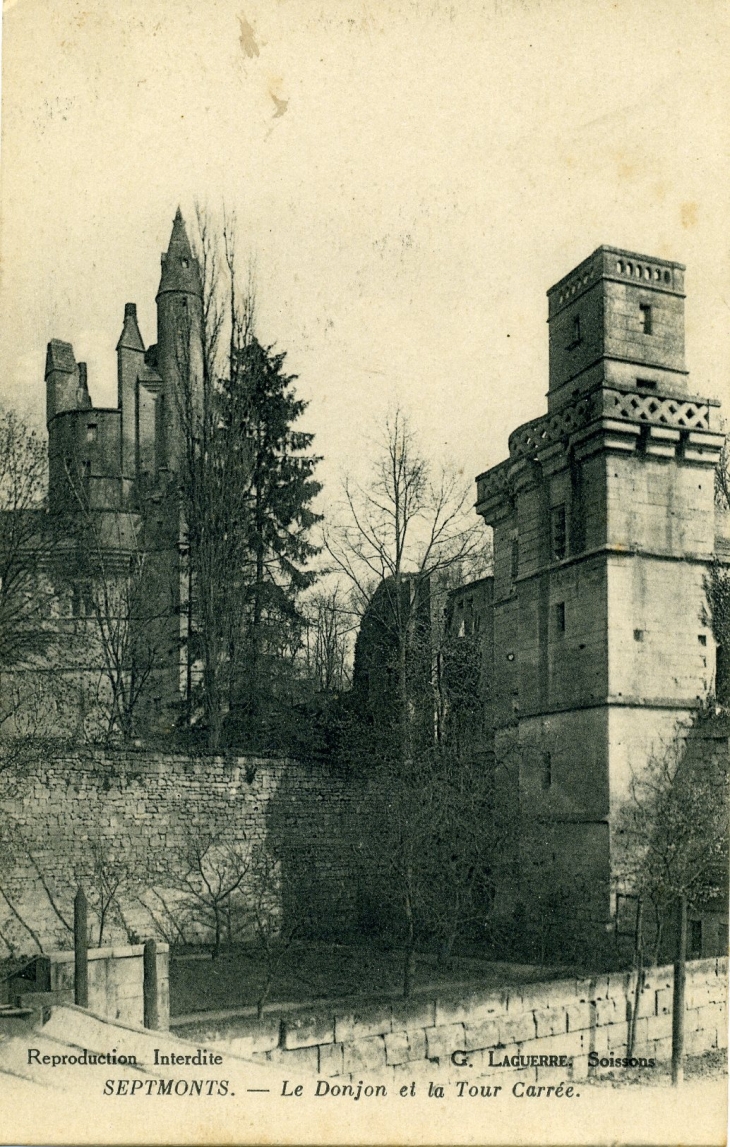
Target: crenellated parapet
<point x="608" y="419"/>
<point x="493" y="491"/>
<point x="613" y="263"/>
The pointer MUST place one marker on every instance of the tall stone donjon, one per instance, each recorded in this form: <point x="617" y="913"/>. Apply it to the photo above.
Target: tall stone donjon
<point x="121" y="469"/>
<point x="604" y="525"/>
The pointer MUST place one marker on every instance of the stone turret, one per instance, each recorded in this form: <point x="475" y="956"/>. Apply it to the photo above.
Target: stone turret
<point x="178" y="357"/>
<point x="130" y="364"/>
<point x="83" y="399"/>
<point x="180" y="270"/>
<point x="66" y="387"/>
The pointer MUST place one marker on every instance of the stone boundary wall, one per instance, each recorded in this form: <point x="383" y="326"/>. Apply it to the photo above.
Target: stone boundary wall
<point x="407" y="1040"/>
<point x="135" y="808"/>
<point x="116" y="983"/>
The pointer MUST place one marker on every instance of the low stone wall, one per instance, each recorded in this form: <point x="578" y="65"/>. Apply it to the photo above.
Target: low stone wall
<point x="566" y="1027"/>
<point x="116" y="983"/>
<point x="127" y="814"/>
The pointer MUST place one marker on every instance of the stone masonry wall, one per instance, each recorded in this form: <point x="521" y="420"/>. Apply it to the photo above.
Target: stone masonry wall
<point x="132" y="811"/>
<point x="407" y="1040"/>
<point x="116" y="983"/>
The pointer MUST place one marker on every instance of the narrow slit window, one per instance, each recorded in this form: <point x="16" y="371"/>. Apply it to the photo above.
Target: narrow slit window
<point x="560" y="616"/>
<point x="646" y="383"/>
<point x="576" y="331"/>
<point x="460" y="620"/>
<point x="645" y="313"/>
<point x="515" y="559"/>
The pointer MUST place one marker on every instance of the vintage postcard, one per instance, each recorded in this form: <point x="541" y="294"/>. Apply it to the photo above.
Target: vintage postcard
<point x="364" y="572"/>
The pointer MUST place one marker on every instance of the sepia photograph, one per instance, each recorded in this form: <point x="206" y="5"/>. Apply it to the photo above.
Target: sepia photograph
<point x="364" y="572"/>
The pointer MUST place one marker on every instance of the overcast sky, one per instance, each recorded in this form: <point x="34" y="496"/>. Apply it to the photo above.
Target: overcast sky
<point x="411" y="176"/>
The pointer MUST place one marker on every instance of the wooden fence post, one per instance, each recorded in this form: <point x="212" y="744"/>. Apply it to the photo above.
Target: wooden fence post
<point x="680" y="972"/>
<point x="639" y="963"/>
<point x="81" y="959"/>
<point x="150" y="987"/>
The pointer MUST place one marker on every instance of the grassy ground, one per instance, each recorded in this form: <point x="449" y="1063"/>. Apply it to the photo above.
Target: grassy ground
<point x="319" y="971"/>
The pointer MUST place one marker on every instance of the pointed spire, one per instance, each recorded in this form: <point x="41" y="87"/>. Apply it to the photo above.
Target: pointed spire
<point x="180" y="271"/>
<point x="83" y="399"/>
<point x="130" y="338"/>
<point x="179" y="236"/>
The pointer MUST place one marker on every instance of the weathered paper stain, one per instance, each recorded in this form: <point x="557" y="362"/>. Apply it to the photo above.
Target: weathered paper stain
<point x="248" y="38"/>
<point x="688" y="214"/>
<point x="281" y="105"/>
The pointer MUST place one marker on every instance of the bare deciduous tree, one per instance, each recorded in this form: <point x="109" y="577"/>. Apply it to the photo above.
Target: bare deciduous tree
<point x="213" y="478"/>
<point x="464" y="848"/>
<point x="23" y="597"/>
<point x="209" y="876"/>
<point x="274" y="931"/>
<point x="330" y="625"/>
<point x="27" y="714"/>
<point x="430" y="847"/>
<point x="108" y="874"/>
<point x="395" y="818"/>
<point x="121" y="602"/>
<point x="673" y="827"/>
<point x="27" y="634"/>
<point x="111" y="884"/>
<point x="400" y="531"/>
<point x="230" y="892"/>
<point x="672" y="836"/>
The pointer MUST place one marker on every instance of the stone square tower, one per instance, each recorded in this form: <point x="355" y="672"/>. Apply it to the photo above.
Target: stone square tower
<point x="604" y="526"/>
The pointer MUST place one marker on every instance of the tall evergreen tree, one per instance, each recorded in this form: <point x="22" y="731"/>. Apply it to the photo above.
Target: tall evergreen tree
<point x="259" y="408"/>
<point x="247" y="484"/>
